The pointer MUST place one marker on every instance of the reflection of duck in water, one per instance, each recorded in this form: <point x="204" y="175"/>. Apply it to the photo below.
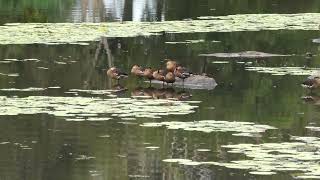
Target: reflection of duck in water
<point x="312" y="82"/>
<point x="312" y="99"/>
<point x="163" y="93"/>
<point x="116" y="74"/>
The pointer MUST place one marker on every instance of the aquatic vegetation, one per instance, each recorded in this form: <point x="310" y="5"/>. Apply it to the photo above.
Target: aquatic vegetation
<point x="316" y="40"/>
<point x="93" y="108"/>
<point x="220" y="62"/>
<point x="78" y="33"/>
<point x="313" y="128"/>
<point x="299" y="157"/>
<point x="186" y="42"/>
<point x="248" y="129"/>
<point x="245" y="54"/>
<point x="280" y="71"/>
<point x="30" y="89"/>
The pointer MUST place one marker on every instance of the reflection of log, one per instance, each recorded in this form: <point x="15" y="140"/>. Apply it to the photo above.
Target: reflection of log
<point x="163" y="93"/>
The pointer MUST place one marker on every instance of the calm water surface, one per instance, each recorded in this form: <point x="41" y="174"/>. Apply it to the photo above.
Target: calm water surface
<point x="43" y="146"/>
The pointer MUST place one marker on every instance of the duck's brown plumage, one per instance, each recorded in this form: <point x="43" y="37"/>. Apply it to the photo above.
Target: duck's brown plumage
<point x="182" y="73"/>
<point x="171" y="65"/>
<point x="148" y="73"/>
<point x="137" y="71"/>
<point x="170" y="77"/>
<point x="115" y="73"/>
<point x="159" y="75"/>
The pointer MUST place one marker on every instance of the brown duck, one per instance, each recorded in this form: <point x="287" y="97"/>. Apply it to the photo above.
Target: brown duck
<point x="170" y="78"/>
<point x="137" y="71"/>
<point x="171" y="65"/>
<point x="182" y="73"/>
<point x="116" y="74"/>
<point x="159" y="75"/>
<point x="148" y="74"/>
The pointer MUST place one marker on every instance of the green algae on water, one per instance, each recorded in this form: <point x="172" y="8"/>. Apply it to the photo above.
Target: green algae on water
<point x="91" y="108"/>
<point x="281" y="71"/>
<point x="80" y="33"/>
<point x="248" y="129"/>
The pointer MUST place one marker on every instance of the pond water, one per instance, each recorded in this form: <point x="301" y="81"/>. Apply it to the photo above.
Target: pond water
<point x="62" y="118"/>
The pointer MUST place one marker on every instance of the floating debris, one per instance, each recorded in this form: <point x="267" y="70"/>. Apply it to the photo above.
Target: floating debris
<point x="245" y="54"/>
<point x="243" y="128"/>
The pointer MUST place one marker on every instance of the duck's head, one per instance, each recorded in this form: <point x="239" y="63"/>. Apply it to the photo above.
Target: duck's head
<point x="171" y="65"/>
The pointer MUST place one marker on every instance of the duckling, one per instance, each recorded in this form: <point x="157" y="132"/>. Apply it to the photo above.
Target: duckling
<point x="312" y="82"/>
<point x="182" y="73"/>
<point x="159" y="75"/>
<point x="148" y="73"/>
<point x="137" y="71"/>
<point x="171" y="65"/>
<point x="116" y="74"/>
<point x="170" y="78"/>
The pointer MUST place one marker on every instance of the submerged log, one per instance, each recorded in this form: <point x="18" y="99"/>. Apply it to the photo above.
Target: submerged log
<point x="194" y="82"/>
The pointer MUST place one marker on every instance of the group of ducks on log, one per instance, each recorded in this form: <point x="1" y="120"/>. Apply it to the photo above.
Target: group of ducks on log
<point x="167" y="75"/>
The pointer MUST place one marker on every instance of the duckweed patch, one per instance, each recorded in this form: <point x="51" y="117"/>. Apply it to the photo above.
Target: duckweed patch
<point x="245" y="54"/>
<point x="248" y="129"/>
<point x="93" y="108"/>
<point x="300" y="158"/>
<point x="281" y="71"/>
<point x="79" y="33"/>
